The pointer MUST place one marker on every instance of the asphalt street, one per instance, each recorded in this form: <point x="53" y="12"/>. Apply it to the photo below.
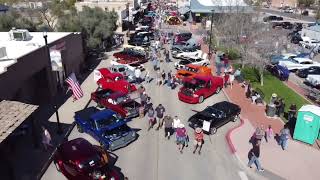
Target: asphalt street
<point x="152" y="157"/>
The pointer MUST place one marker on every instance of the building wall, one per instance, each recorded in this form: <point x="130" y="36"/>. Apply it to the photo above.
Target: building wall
<point x="27" y="81"/>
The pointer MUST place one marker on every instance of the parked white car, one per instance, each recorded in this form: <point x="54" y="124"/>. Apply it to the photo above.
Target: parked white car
<point x="186" y="55"/>
<point x="314" y="80"/>
<point x="294" y="64"/>
<point x="198" y="61"/>
<point x="131" y="67"/>
<point x="309" y="44"/>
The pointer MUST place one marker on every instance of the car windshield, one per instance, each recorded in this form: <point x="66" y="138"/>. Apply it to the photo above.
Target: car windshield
<point x="116" y="132"/>
<point x="214" y="112"/>
<point x="192" y="69"/>
<point x="185" y="62"/>
<point x="106" y="122"/>
<point x="195" y="84"/>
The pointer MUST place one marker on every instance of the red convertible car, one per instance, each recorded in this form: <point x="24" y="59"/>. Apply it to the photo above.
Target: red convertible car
<point x="79" y="160"/>
<point x="195" y="90"/>
<point x="114" y="82"/>
<point x="117" y="101"/>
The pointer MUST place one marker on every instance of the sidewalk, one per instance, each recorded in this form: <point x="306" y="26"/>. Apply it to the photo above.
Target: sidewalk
<point x="300" y="161"/>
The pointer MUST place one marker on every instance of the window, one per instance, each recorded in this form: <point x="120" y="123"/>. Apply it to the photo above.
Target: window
<point x="121" y="69"/>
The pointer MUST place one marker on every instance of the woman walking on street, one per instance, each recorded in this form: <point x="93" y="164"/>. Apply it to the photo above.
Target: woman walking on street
<point x="255" y="154"/>
<point x="199" y="138"/>
<point x="181" y="135"/>
<point x="151" y="117"/>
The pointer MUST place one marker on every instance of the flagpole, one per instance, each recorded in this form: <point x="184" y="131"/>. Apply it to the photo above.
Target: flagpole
<point x="52" y="99"/>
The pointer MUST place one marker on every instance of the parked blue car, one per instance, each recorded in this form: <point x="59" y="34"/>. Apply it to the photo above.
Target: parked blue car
<point x="106" y="126"/>
<point x="280" y="72"/>
<point x="287" y="57"/>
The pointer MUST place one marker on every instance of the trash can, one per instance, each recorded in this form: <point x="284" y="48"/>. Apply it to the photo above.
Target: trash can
<point x="271" y="110"/>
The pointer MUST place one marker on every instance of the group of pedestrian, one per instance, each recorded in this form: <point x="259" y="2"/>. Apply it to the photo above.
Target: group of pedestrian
<point x="221" y="61"/>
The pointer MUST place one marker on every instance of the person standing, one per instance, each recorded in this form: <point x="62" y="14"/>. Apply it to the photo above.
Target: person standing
<point x="231" y="79"/>
<point x="284" y="136"/>
<point x="292" y="113"/>
<point x="143" y="99"/>
<point x="46" y="139"/>
<point x="159" y="113"/>
<point x="217" y="62"/>
<point x="147" y="77"/>
<point x="269" y="133"/>
<point x="169" y="78"/>
<point x="159" y="77"/>
<point x="176" y="122"/>
<point x="225" y="60"/>
<point x="255" y="154"/>
<point x="137" y="74"/>
<point x="168" y="123"/>
<point x="167" y="56"/>
<point x="248" y="90"/>
<point x="199" y="138"/>
<point x="181" y="136"/>
<point x="151" y="117"/>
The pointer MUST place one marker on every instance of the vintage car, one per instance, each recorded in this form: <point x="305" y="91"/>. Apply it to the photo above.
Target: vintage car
<point x="313" y="70"/>
<point x="216" y="116"/>
<point x="313" y="80"/>
<point x="79" y="160"/>
<point x="294" y="64"/>
<point x="182" y="37"/>
<point x="275" y="59"/>
<point x="191" y="71"/>
<point x="144" y="33"/>
<point x="106" y="126"/>
<point x="279" y="71"/>
<point x="185" y="45"/>
<point x="197" y="61"/>
<point x="130" y="55"/>
<point x="186" y="55"/>
<point x="272" y="18"/>
<point x="119" y="102"/>
<point x="173" y="20"/>
<point x="198" y="88"/>
<point x="131" y="66"/>
<point x="141" y="40"/>
<point x="125" y="71"/>
<point x="113" y="81"/>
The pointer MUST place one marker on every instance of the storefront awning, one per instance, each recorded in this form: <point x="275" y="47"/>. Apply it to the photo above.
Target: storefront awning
<point x="12" y="114"/>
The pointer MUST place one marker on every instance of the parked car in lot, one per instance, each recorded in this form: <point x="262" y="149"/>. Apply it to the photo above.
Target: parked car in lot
<point x="119" y="102"/>
<point x="117" y="66"/>
<point x="296" y="38"/>
<point x="141" y="40"/>
<point x="182" y="37"/>
<point x="173" y="20"/>
<point x="190" y="44"/>
<point x="106" y="126"/>
<point x="272" y="18"/>
<point x="129" y="55"/>
<point x="313" y="80"/>
<point x="198" y="88"/>
<point x="217" y="115"/>
<point x="298" y="63"/>
<point x="197" y="61"/>
<point x="191" y="71"/>
<point x="288" y="10"/>
<point x="309" y="43"/>
<point x="313" y="70"/>
<point x="80" y="160"/>
<point x="279" y="71"/>
<point x="276" y="58"/>
<point x="186" y="55"/>
<point x="114" y="81"/>
<point x="175" y="52"/>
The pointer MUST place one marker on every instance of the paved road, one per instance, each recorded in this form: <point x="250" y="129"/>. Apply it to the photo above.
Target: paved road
<point x="152" y="157"/>
<point x="291" y="15"/>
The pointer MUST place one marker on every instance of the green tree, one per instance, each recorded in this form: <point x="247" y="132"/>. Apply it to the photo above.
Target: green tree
<point x="95" y="25"/>
<point x="13" y="19"/>
<point x="306" y="3"/>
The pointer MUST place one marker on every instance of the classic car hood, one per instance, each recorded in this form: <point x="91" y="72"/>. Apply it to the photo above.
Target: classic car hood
<point x="182" y="73"/>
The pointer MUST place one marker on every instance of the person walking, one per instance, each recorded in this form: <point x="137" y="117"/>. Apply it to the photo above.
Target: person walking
<point x="248" y="90"/>
<point x="143" y="99"/>
<point x="151" y="117"/>
<point x="292" y="113"/>
<point x="269" y="133"/>
<point x="254" y="156"/>
<point x="169" y="78"/>
<point x="199" y="138"/>
<point x="159" y="113"/>
<point x="46" y="139"/>
<point x="284" y="136"/>
<point x="137" y="74"/>
<point x="225" y="60"/>
<point x="176" y="122"/>
<point x="217" y="62"/>
<point x="159" y="77"/>
<point x="163" y="75"/>
<point x="168" y="123"/>
<point x="147" y="77"/>
<point x="167" y="56"/>
<point x="181" y="136"/>
<point x="231" y="79"/>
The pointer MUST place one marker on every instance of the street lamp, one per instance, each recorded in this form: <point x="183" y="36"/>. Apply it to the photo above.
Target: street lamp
<point x="210" y="50"/>
<point x="52" y="99"/>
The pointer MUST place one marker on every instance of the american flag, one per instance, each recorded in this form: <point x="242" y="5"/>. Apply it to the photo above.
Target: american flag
<point x="74" y="86"/>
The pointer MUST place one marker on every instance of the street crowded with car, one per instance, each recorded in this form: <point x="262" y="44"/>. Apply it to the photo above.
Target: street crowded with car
<point x="167" y="102"/>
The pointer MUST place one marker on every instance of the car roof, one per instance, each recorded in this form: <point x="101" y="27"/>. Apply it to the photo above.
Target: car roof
<point x="77" y="150"/>
<point x="102" y="114"/>
<point x="86" y="113"/>
<point x="223" y="105"/>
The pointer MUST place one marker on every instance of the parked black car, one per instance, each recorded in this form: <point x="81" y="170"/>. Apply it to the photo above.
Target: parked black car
<point x="287" y="25"/>
<point x="295" y="38"/>
<point x="272" y="18"/>
<point x="303" y="73"/>
<point x="139" y="41"/>
<point x="218" y="115"/>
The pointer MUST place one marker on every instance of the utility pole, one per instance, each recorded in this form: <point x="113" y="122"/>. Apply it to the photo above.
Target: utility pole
<point x="52" y="99"/>
<point x="210" y="50"/>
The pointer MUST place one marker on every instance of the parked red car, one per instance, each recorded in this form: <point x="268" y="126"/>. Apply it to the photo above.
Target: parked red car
<point x="79" y="160"/>
<point x="129" y="55"/>
<point x="114" y="82"/>
<point x="119" y="102"/>
<point x="195" y="90"/>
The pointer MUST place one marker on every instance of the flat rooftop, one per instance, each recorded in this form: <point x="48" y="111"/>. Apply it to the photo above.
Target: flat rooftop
<point x="16" y="49"/>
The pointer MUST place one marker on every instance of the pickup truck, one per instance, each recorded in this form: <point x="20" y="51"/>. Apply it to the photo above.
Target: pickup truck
<point x="114" y="82"/>
<point x="117" y="101"/>
<point x="195" y="90"/>
<point x="106" y="126"/>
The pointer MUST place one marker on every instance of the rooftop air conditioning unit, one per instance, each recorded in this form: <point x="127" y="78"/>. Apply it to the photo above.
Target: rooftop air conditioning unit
<point x="19" y="34"/>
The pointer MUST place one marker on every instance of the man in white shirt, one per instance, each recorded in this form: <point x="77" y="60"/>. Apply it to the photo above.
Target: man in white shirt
<point x="176" y="122"/>
<point x="137" y="73"/>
